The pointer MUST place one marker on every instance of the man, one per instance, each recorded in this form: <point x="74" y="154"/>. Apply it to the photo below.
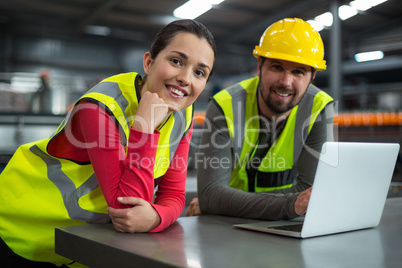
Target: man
<point x="261" y="139"/>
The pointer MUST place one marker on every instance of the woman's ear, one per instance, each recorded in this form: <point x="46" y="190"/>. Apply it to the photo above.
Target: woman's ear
<point x="147" y="61"/>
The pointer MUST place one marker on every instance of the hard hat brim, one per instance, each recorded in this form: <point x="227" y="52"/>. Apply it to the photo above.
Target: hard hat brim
<point x="274" y="55"/>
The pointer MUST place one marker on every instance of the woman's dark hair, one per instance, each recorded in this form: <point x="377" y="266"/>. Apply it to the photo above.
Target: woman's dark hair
<point x="167" y="33"/>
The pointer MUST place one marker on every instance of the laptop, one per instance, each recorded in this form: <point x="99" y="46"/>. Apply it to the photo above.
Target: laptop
<point x="349" y="191"/>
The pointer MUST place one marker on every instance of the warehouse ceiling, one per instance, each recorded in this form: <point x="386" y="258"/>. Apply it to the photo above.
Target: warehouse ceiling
<point x="236" y="24"/>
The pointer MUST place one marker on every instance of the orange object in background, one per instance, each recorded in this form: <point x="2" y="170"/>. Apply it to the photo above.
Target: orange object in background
<point x="199" y="118"/>
<point x="346" y="119"/>
<point x="369" y="119"/>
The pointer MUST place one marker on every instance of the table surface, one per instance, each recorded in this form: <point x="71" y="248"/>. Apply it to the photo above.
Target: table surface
<point x="211" y="241"/>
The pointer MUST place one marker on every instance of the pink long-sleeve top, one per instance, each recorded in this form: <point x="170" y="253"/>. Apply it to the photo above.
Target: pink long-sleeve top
<point x="93" y="136"/>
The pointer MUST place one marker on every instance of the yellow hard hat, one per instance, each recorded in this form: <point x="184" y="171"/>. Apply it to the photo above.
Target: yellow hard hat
<point x="292" y="40"/>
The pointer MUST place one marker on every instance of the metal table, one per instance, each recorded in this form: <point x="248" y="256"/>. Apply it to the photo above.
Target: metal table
<point x="211" y="241"/>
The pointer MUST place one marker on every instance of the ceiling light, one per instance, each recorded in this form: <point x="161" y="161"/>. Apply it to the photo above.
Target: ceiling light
<point x="316" y="25"/>
<point x="363" y="5"/>
<point x="325" y="19"/>
<point x="368" y="56"/>
<point x="194" y="8"/>
<point x="346" y="11"/>
<point x="360" y="5"/>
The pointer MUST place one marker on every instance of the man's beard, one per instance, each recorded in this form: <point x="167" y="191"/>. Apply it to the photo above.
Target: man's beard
<point x="278" y="107"/>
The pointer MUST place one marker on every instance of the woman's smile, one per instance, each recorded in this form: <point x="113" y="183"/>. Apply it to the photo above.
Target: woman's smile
<point x="176" y="92"/>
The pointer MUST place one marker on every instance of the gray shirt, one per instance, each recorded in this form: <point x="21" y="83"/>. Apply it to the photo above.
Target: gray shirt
<point x="214" y="165"/>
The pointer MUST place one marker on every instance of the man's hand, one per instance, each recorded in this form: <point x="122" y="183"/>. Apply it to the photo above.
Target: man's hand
<point x="194" y="208"/>
<point x="302" y="202"/>
<point x="142" y="217"/>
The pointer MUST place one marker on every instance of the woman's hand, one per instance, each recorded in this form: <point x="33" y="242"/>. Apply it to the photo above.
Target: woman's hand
<point x="302" y="202"/>
<point x="142" y="217"/>
<point x="152" y="111"/>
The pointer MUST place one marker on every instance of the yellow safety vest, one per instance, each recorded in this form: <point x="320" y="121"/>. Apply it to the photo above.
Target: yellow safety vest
<point x="277" y="168"/>
<point x="39" y="192"/>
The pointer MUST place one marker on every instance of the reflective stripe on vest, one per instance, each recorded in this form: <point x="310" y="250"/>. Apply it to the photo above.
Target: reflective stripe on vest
<point x="239" y="104"/>
<point x="70" y="193"/>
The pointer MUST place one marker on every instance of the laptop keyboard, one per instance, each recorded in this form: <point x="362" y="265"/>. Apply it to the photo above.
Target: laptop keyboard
<point x="292" y="227"/>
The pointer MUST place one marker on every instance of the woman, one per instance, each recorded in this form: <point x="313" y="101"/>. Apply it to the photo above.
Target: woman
<point x="123" y="138"/>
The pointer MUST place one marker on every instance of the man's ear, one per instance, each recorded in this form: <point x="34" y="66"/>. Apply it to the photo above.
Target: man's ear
<point x="147" y="61"/>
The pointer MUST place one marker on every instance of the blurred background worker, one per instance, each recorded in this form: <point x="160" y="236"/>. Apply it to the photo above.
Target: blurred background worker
<point x="262" y="136"/>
